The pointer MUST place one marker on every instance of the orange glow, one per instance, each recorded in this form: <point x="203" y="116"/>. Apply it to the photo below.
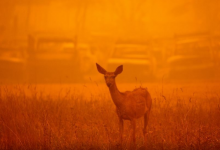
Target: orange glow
<point x="53" y="97"/>
<point x="60" y="41"/>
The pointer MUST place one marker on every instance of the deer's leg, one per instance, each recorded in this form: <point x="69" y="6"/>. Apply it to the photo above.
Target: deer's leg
<point x="121" y="128"/>
<point x="146" y="119"/>
<point x="133" y="124"/>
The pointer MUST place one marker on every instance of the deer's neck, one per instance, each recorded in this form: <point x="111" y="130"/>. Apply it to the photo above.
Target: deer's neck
<point x="117" y="97"/>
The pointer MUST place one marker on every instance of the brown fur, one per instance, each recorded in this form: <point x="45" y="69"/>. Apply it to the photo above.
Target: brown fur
<point x="130" y="105"/>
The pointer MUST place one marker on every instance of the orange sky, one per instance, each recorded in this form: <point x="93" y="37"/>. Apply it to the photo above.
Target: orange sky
<point x="96" y="28"/>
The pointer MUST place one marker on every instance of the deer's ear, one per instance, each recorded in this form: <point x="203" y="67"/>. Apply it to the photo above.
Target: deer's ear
<point x="100" y="69"/>
<point x="119" y="70"/>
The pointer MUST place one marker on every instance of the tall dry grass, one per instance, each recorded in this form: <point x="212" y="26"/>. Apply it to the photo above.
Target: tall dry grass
<point x="182" y="117"/>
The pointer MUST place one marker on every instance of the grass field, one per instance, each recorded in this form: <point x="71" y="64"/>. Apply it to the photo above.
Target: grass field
<point x="183" y="116"/>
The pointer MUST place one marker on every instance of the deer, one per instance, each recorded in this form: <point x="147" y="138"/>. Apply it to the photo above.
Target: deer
<point x="130" y="105"/>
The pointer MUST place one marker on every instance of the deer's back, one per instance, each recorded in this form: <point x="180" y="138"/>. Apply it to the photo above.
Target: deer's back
<point x="137" y="103"/>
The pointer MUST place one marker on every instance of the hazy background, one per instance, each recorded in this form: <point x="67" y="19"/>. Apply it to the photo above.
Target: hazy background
<point x="59" y="41"/>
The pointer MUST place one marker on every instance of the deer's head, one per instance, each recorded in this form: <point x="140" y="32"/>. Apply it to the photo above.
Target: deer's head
<point x="109" y="76"/>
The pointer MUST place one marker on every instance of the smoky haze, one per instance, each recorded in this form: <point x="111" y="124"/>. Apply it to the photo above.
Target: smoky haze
<point x="59" y="41"/>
